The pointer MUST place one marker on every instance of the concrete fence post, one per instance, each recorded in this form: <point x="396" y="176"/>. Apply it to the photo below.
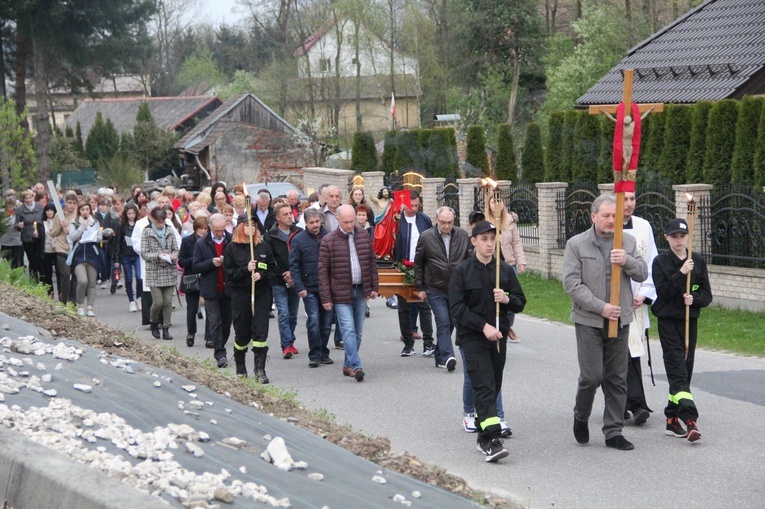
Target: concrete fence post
<point x="467" y="199"/>
<point x="699" y="192"/>
<point x="429" y="195"/>
<point x="547" y="196"/>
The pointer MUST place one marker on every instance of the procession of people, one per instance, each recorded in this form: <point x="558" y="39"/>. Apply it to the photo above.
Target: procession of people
<point x="277" y="252"/>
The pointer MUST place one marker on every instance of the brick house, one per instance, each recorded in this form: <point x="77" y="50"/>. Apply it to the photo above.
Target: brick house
<point x="244" y="141"/>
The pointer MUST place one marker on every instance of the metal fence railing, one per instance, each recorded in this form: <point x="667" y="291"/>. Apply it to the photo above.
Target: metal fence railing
<point x="574" y="210"/>
<point x="523" y="200"/>
<point x="448" y="195"/>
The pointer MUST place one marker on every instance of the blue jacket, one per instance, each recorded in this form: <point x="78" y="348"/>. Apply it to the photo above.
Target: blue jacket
<point x="204" y="252"/>
<point x="401" y="248"/>
<point x="304" y="260"/>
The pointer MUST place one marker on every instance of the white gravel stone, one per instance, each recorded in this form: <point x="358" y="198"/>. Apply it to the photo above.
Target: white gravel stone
<point x="277" y="454"/>
<point x="316" y="476"/>
<point x="398" y="498"/>
<point x="234" y="442"/>
<point x="2" y="397"/>
<point x="58" y="367"/>
<point x="189" y="388"/>
<point x="379" y="479"/>
<point x="243" y="469"/>
<point x="51" y="393"/>
<point x="228" y="410"/>
<point x="416" y="494"/>
<point x="40" y="366"/>
<point x="83" y="388"/>
<point x="47" y="377"/>
<point x="203" y="437"/>
<point x="194" y="449"/>
<point x="196" y="405"/>
<point x="65" y="352"/>
<point x="157" y="384"/>
<point x="213" y="422"/>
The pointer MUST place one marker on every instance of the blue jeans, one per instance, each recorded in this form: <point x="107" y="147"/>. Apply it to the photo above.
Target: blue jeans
<point x="468" y="396"/>
<point x="287" y="304"/>
<point x="131" y="265"/>
<point x="439" y="303"/>
<point x="318" y="325"/>
<point x="350" y="319"/>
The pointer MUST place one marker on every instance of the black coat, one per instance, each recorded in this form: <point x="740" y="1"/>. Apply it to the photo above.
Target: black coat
<point x="235" y="267"/>
<point x="204" y="252"/>
<point x="670" y="286"/>
<point x="186" y="253"/>
<point x="120" y="247"/>
<point x="281" y="250"/>
<point x="269" y="222"/>
<point x="304" y="260"/>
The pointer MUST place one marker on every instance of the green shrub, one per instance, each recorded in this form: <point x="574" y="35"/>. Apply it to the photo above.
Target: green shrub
<point x="742" y="164"/>
<point x="438" y="154"/>
<point x="567" y="145"/>
<point x="677" y="136"/>
<point x="532" y="160"/>
<point x="606" y="156"/>
<point x="103" y="141"/>
<point x="584" y="165"/>
<point x="654" y="143"/>
<point x="697" y="149"/>
<point x="759" y="153"/>
<point x="505" y="165"/>
<point x="407" y="151"/>
<point x="721" y="138"/>
<point x="476" y="149"/>
<point x="364" y="152"/>
<point x="389" y="153"/>
<point x="554" y="146"/>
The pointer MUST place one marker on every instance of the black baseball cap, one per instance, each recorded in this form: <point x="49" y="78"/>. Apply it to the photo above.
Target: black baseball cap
<point x="243" y="219"/>
<point x="476" y="215"/>
<point x="483" y="227"/>
<point x="677" y="225"/>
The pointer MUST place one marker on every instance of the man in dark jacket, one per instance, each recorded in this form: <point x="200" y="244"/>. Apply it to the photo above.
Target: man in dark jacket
<point x="263" y="212"/>
<point x="285" y="297"/>
<point x="304" y="263"/>
<point x="208" y="261"/>
<point x="347" y="276"/>
<point x="438" y="253"/>
<point x="473" y="296"/>
<point x="413" y="223"/>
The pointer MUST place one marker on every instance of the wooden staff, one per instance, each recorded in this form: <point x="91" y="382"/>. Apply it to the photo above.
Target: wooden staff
<point x="497" y="212"/>
<point x="691" y="221"/>
<point x="248" y="206"/>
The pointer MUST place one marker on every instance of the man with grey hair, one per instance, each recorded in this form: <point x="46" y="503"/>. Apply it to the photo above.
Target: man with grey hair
<point x="602" y="360"/>
<point x="316" y="205"/>
<point x="439" y="250"/>
<point x="294" y="202"/>
<point x="208" y="262"/>
<point x="263" y="213"/>
<point x="333" y="199"/>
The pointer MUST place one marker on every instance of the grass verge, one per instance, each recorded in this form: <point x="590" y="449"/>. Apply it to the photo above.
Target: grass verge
<point x="719" y="328"/>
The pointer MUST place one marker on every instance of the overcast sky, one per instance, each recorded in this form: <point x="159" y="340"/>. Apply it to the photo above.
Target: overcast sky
<point x="219" y="11"/>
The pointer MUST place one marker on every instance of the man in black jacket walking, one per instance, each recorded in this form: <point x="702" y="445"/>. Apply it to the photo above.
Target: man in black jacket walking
<point x="208" y="261"/>
<point x="304" y="265"/>
<point x="484" y="346"/>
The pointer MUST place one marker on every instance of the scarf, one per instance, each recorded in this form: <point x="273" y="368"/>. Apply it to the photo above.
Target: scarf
<point x="161" y="234"/>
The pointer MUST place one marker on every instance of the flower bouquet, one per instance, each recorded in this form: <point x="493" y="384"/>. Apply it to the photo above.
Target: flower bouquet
<point x="406" y="267"/>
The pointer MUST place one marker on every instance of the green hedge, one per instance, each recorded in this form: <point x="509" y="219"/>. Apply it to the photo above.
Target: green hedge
<point x="505" y="165"/>
<point x="677" y="137"/>
<point x="694" y="171"/>
<point x="532" y="160"/>
<point x="742" y="163"/>
<point x="476" y="149"/>
<point x="364" y="153"/>
<point x="554" y="146"/>
<point x="721" y="138"/>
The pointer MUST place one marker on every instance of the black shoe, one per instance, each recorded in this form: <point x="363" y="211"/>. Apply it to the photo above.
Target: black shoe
<point x="366" y="312"/>
<point x="189" y="340"/>
<point x="581" y="431"/>
<point x="199" y="315"/>
<point x="358" y="374"/>
<point x="113" y="288"/>
<point x="166" y="334"/>
<point x="313" y="363"/>
<point x="675" y="429"/>
<point x="620" y="443"/>
<point x="451" y="363"/>
<point x="494" y="450"/>
<point x="326" y="360"/>
<point x="209" y="344"/>
<point x="340" y="345"/>
<point x="154" y="330"/>
<point x="693" y="431"/>
<point x="640" y="416"/>
<point x="407" y="352"/>
<point x="222" y="362"/>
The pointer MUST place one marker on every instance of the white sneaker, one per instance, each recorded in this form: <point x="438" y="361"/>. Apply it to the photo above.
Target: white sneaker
<point x="133" y="308"/>
<point x="505" y="429"/>
<point x="120" y="285"/>
<point x="468" y="422"/>
<point x="103" y="285"/>
<point x="90" y="312"/>
<point x="80" y="312"/>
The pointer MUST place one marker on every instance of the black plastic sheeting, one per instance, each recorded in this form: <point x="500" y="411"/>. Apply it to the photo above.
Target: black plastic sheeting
<point x="347" y="478"/>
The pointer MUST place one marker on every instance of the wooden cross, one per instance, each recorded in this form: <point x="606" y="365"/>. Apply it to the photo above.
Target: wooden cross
<point x="623" y="175"/>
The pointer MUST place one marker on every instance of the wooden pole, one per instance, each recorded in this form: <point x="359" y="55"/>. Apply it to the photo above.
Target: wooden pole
<point x="248" y="206"/>
<point x="691" y="223"/>
<point x="497" y="245"/>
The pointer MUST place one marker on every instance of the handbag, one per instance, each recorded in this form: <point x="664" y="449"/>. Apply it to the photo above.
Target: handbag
<point x="190" y="283"/>
<point x="70" y="256"/>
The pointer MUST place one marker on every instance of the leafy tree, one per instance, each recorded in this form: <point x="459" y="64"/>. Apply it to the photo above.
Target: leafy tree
<point x="440" y="158"/>
<point x="605" y="159"/>
<point x="584" y="164"/>
<point x="749" y="110"/>
<point x="242" y="83"/>
<point x="64" y="156"/>
<point x="69" y="133"/>
<point x="476" y="149"/>
<point x="532" y="160"/>
<point x="759" y="153"/>
<point x="120" y="170"/>
<point x="103" y="141"/>
<point x="152" y="147"/>
<point x="554" y="150"/>
<point x="389" y="153"/>
<point x="677" y="137"/>
<point x="567" y="145"/>
<point x="654" y="143"/>
<point x="407" y="151"/>
<point x="697" y="149"/>
<point x="364" y="154"/>
<point x="200" y="69"/>
<point x="505" y="165"/>
<point x="17" y="153"/>
<point x="721" y="138"/>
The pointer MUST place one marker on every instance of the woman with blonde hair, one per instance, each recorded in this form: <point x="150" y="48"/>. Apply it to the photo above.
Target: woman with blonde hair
<point x="159" y="251"/>
<point x="512" y="251"/>
<point x="84" y="236"/>
<point x="241" y="270"/>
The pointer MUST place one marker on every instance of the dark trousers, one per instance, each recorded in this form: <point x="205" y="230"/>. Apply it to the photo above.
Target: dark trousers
<point x="484" y="365"/>
<point x="219" y="318"/>
<point x="50" y="267"/>
<point x="249" y="327"/>
<point x="34" y="257"/>
<point x="146" y="302"/>
<point x="635" y="391"/>
<point x="405" y="321"/>
<point x="318" y="325"/>
<point x="15" y="255"/>
<point x="602" y="362"/>
<point x="679" y="368"/>
<point x="65" y="279"/>
<point x="192" y="308"/>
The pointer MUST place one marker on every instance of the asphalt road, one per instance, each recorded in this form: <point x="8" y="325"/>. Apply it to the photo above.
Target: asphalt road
<point x="419" y="408"/>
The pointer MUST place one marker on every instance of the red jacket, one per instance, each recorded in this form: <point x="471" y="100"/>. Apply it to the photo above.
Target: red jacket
<point x="335" y="284"/>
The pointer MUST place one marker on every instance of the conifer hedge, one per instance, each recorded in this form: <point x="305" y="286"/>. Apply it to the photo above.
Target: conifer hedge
<point x="505" y="165"/>
<point x="584" y="165"/>
<point x="677" y="136"/>
<point x="567" y="145"/>
<point x="554" y="146"/>
<point x="605" y="158"/>
<point x="532" y="160"/>
<point x="476" y="149"/>
<point x="654" y="142"/>
<point x="389" y="153"/>
<point x="759" y="152"/>
<point x="742" y="164"/>
<point x="364" y="152"/>
<point x="694" y="170"/>
<point x="407" y="151"/>
<point x="721" y="138"/>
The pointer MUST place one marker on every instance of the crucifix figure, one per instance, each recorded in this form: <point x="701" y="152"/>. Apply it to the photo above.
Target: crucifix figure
<point x="625" y="162"/>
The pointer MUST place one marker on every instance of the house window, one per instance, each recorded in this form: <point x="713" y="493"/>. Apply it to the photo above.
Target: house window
<point x="325" y="65"/>
<point x="353" y="60"/>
